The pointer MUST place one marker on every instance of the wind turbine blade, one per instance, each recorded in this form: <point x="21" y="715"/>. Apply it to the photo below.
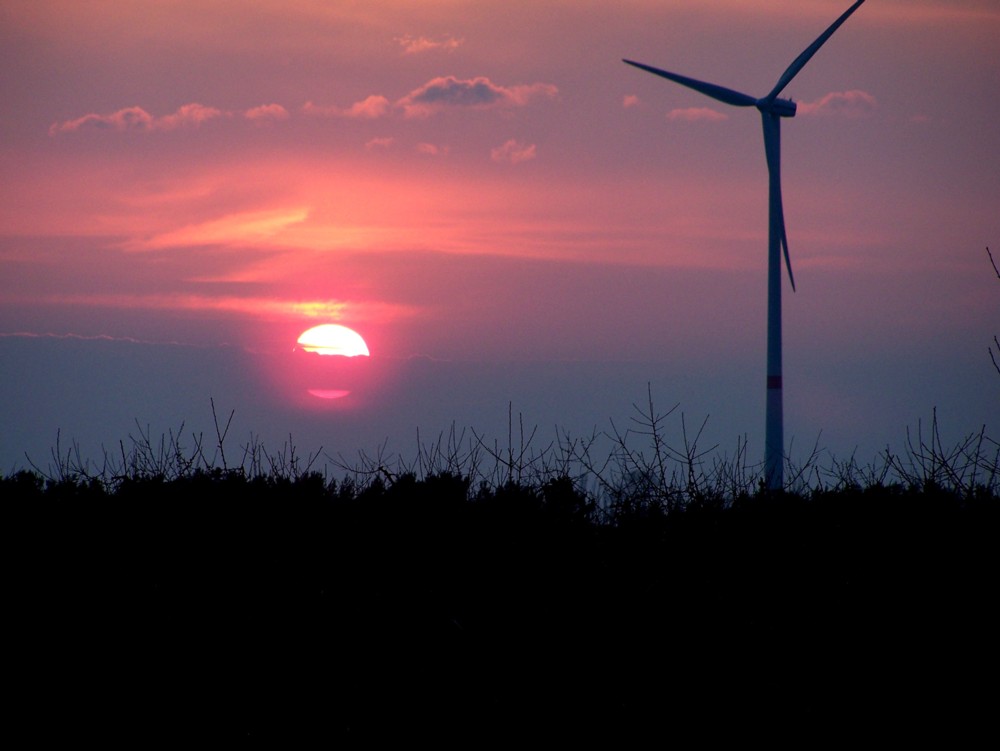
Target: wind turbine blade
<point x="807" y="54"/>
<point x="720" y="93"/>
<point x="772" y="149"/>
<point x="784" y="241"/>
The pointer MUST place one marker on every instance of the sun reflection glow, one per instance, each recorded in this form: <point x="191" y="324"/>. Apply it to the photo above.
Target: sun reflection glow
<point x="329" y="393"/>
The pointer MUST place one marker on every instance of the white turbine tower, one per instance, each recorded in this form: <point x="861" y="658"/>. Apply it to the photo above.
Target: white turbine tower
<point x="772" y="109"/>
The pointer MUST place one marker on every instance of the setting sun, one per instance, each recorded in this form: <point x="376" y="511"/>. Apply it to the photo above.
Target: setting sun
<point x="333" y="339"/>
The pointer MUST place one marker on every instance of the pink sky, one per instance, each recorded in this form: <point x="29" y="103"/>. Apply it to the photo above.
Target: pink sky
<point x="486" y="182"/>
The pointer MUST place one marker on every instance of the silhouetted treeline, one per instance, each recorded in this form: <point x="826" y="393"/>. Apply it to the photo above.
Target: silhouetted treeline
<point x="216" y="605"/>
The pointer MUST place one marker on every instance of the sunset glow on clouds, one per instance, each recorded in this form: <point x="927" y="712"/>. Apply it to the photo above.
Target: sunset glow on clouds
<point x="513" y="152"/>
<point x="413" y="45"/>
<point x="371" y="107"/>
<point x="448" y="91"/>
<point x="491" y="183"/>
<point x="841" y="104"/>
<point x="239" y="229"/>
<point x="267" y="112"/>
<point x="434" y="96"/>
<point x="136" y="118"/>
<point x="251" y="307"/>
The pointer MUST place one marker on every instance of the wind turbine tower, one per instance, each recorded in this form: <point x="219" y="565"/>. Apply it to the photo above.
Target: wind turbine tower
<point x="772" y="109"/>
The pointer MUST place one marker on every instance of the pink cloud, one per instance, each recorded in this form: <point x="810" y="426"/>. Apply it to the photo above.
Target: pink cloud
<point x="412" y="45"/>
<point x="695" y="114"/>
<point x="431" y="149"/>
<point x="370" y="108"/>
<point x="267" y="112"/>
<point x="246" y="228"/>
<point x="130" y="118"/>
<point x="840" y="104"/>
<point x="480" y="93"/>
<point x="262" y="307"/>
<point x="630" y="100"/>
<point x="513" y="152"/>
<point x="136" y="118"/>
<point x="188" y="115"/>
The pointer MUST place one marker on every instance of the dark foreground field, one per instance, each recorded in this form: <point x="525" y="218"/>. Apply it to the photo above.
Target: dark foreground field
<point x="214" y="606"/>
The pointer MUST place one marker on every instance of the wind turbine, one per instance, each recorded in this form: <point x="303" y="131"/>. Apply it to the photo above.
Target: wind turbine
<point x="772" y="109"/>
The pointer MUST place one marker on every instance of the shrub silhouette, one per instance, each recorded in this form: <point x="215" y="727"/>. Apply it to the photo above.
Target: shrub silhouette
<point x="450" y="601"/>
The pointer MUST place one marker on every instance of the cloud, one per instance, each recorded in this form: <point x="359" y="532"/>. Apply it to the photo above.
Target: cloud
<point x="480" y="93"/>
<point x="189" y="115"/>
<point x="841" y="104"/>
<point x="513" y="152"/>
<point x="81" y="337"/>
<point x="246" y="228"/>
<point x="431" y="150"/>
<point x="277" y="307"/>
<point x="266" y="112"/>
<point x="695" y="114"/>
<point x="380" y="143"/>
<point x="412" y="45"/>
<point x="136" y="118"/>
<point x="630" y="100"/>
<point x="370" y="108"/>
<point x="255" y="306"/>
<point x="130" y="118"/>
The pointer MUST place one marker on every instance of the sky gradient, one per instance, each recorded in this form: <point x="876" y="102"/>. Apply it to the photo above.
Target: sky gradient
<point x="509" y="216"/>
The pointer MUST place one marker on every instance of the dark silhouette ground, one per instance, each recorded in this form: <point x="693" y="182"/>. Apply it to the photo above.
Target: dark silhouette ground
<point x="213" y="607"/>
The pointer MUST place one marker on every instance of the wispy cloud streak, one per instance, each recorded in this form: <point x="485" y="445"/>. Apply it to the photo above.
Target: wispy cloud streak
<point x="254" y="306"/>
<point x="413" y="45"/>
<point x="269" y="308"/>
<point x="245" y="228"/>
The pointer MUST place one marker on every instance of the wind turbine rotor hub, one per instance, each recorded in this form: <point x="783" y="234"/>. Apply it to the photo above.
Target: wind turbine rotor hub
<point x="779" y="107"/>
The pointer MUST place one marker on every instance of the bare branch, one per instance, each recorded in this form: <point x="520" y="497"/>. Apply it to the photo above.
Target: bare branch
<point x="996" y="341"/>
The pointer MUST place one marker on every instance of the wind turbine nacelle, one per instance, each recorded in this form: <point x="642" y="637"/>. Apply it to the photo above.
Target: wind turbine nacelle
<point x="779" y="107"/>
